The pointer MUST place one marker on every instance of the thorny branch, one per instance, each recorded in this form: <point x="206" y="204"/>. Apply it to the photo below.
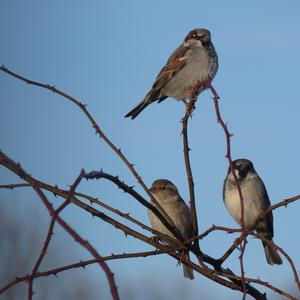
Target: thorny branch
<point x="228" y="156"/>
<point x="81" y="264"/>
<point x="134" y="194"/>
<point x="84" y="243"/>
<point x="218" y="273"/>
<point x="189" y="107"/>
<point x="50" y="232"/>
<point x="216" y="276"/>
<point x="167" y="221"/>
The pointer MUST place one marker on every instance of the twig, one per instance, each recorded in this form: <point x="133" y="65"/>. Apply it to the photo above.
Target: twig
<point x="127" y="189"/>
<point x="235" y="285"/>
<point x="126" y="216"/>
<point x="84" y="243"/>
<point x="13" y="186"/>
<point x="82" y="264"/>
<point x="262" y="238"/>
<point x="282" y="203"/>
<point x="228" y="156"/>
<point x="50" y="232"/>
<point x="189" y="108"/>
<point x="133" y="193"/>
<point x="167" y="221"/>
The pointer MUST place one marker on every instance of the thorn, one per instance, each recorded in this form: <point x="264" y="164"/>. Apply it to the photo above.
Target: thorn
<point x="50" y="87"/>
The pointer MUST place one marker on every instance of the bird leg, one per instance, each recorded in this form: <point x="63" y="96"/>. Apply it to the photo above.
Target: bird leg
<point x="155" y="241"/>
<point x="182" y="257"/>
<point x="192" y="94"/>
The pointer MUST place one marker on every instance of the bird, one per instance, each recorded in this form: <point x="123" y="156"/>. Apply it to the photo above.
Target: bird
<point x="256" y="201"/>
<point x="193" y="64"/>
<point x="167" y="195"/>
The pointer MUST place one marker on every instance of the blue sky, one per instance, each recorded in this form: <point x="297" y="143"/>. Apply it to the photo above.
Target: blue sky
<point x="107" y="54"/>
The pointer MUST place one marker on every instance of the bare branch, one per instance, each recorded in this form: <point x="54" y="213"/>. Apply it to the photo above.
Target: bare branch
<point x="84" y="243"/>
<point x="171" y="226"/>
<point x="236" y="284"/>
<point x="228" y="155"/>
<point x="189" y="108"/>
<point x="50" y="232"/>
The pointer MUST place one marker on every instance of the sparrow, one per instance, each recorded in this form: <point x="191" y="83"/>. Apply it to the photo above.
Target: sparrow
<point x="193" y="64"/>
<point x="256" y="201"/>
<point x="166" y="194"/>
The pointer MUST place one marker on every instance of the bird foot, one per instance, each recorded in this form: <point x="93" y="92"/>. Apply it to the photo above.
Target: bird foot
<point x="155" y="241"/>
<point x="182" y="257"/>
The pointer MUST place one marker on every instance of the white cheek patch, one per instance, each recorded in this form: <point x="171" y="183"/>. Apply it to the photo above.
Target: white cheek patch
<point x="198" y="43"/>
<point x="193" y="42"/>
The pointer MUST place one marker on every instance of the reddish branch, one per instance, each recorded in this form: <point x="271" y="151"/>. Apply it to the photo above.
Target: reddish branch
<point x="134" y="194"/>
<point x="228" y="156"/>
<point x="261" y="237"/>
<point x="126" y="216"/>
<point x="50" y="232"/>
<point x="84" y="243"/>
<point x="82" y="264"/>
<point x="217" y="276"/>
<point x="167" y="221"/>
<point x="189" y="108"/>
<point x="69" y="229"/>
<point x="237" y="283"/>
<point x="257" y="235"/>
<point x="251" y="228"/>
<point x="126" y="189"/>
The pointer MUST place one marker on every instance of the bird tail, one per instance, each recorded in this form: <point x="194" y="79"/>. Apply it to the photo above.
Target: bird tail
<point x="141" y="106"/>
<point x="272" y="254"/>
<point x="188" y="272"/>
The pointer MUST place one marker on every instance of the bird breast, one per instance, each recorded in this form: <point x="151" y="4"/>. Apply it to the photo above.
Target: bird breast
<point x="200" y="67"/>
<point x="178" y="212"/>
<point x="253" y="204"/>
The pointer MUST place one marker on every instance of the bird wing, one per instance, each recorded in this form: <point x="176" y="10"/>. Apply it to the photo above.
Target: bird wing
<point x="266" y="224"/>
<point x="175" y="63"/>
<point x="185" y="219"/>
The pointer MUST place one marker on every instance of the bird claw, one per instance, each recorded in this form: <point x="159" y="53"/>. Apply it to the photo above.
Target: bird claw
<point x="155" y="241"/>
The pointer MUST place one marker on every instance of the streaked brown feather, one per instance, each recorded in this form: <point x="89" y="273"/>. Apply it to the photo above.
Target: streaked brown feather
<point x="174" y="64"/>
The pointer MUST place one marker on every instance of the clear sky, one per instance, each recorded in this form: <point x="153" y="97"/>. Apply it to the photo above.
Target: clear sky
<point x="107" y="54"/>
